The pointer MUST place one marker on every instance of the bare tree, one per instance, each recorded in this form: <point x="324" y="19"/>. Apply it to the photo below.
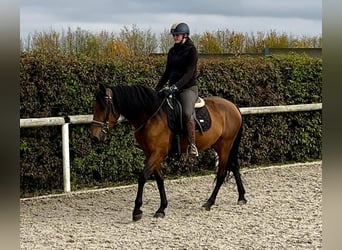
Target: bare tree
<point x="166" y="41"/>
<point x="134" y="41"/>
<point x="138" y="41"/>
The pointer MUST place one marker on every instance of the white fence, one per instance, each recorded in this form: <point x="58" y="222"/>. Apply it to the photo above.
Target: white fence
<point x="82" y="119"/>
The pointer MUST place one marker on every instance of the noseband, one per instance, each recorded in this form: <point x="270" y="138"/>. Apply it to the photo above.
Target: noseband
<point x="109" y="109"/>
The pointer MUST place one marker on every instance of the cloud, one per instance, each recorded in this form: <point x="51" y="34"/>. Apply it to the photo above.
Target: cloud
<point x="299" y="17"/>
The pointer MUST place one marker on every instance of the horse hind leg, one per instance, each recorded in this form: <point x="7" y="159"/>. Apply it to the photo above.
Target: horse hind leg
<point x="223" y="170"/>
<point x="233" y="166"/>
<point x="220" y="177"/>
<point x="228" y="162"/>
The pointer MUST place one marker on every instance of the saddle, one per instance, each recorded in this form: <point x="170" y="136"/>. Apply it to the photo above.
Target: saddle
<point x="174" y="116"/>
<point x="176" y="124"/>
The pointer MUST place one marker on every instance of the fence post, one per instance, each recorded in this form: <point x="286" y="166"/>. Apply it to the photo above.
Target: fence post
<point x="66" y="157"/>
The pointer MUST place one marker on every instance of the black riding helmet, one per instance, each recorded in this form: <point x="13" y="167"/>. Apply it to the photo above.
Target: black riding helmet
<point x="180" y="28"/>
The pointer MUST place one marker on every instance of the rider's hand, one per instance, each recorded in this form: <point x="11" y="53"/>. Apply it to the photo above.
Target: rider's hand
<point x="170" y="90"/>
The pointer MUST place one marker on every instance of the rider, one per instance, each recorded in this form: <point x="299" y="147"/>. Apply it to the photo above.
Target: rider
<point x="180" y="73"/>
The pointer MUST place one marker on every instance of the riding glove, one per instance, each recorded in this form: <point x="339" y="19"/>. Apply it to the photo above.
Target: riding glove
<point x="170" y="90"/>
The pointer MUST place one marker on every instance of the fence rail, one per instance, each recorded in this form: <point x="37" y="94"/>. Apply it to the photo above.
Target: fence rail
<point x="313" y="52"/>
<point x="84" y="119"/>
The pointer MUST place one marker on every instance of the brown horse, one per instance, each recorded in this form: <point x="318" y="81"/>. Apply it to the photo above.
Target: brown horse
<point x="143" y="108"/>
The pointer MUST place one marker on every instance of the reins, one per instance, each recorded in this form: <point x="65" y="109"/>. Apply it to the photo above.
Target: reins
<point x="109" y="100"/>
<point x="154" y="114"/>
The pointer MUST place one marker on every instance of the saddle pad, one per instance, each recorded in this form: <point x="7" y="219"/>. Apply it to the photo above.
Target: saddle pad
<point x="202" y="119"/>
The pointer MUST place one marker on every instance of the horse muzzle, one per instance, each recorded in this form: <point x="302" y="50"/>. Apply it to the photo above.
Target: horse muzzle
<point x="97" y="135"/>
<point x="94" y="139"/>
<point x="98" y="131"/>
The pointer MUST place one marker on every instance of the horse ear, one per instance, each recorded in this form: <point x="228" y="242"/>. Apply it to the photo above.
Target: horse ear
<point x="101" y="87"/>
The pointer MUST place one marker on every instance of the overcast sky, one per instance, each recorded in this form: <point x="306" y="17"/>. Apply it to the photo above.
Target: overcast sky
<point x="296" y="17"/>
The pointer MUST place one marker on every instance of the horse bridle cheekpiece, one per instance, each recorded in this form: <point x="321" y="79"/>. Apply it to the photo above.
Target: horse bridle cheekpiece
<point x="109" y="109"/>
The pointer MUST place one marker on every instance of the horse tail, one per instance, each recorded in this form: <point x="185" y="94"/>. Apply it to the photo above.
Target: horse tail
<point x="233" y="164"/>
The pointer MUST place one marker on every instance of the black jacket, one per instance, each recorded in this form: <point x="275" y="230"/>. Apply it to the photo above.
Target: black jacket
<point x="181" y="66"/>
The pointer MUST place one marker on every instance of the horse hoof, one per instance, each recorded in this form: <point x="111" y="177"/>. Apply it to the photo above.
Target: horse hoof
<point x="137" y="217"/>
<point x="242" y="202"/>
<point x="159" y="215"/>
<point x="206" y="206"/>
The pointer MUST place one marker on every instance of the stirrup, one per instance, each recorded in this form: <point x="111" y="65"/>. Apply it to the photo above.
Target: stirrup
<point x="192" y="150"/>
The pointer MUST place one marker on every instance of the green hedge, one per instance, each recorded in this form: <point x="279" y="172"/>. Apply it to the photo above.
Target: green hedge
<point x="60" y="86"/>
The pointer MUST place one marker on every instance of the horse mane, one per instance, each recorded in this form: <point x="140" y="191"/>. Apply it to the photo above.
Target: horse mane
<point x="135" y="100"/>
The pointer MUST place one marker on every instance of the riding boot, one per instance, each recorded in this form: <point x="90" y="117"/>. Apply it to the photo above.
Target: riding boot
<point x="190" y="126"/>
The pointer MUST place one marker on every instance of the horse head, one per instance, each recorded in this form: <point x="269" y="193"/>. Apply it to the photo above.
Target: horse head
<point x="105" y="115"/>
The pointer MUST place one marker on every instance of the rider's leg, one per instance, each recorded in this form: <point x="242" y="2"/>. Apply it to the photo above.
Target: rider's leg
<point x="190" y="125"/>
<point x="188" y="99"/>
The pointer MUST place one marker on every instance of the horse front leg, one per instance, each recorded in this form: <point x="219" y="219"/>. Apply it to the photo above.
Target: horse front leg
<point x="153" y="165"/>
<point x="163" y="200"/>
<point x="137" y="213"/>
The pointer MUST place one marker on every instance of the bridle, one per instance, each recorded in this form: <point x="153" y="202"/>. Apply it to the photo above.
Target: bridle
<point x="109" y="109"/>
